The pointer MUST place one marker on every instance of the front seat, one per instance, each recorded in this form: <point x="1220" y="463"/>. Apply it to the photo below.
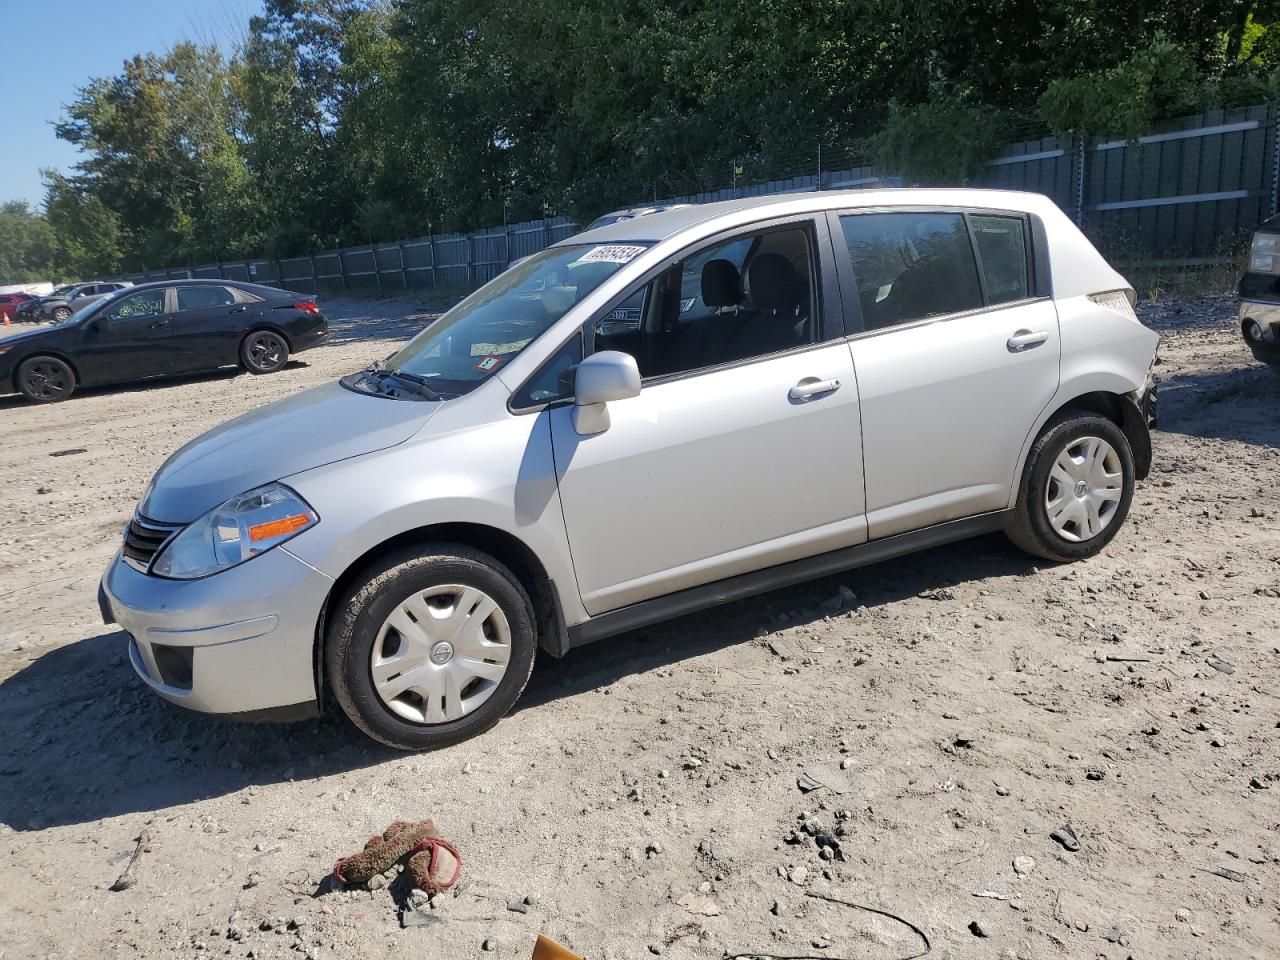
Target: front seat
<point x="704" y="341"/>
<point x="779" y="297"/>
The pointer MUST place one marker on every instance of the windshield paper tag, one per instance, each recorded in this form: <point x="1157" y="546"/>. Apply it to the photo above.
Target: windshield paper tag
<point x="612" y="253"/>
<point x="489" y="364"/>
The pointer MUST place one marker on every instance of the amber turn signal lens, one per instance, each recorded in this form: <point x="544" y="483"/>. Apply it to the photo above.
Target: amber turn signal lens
<point x="278" y="528"/>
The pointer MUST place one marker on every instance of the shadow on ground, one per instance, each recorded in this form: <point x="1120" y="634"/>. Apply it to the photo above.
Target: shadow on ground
<point x="86" y="740"/>
<point x="153" y="383"/>
<point x="1242" y="403"/>
<point x="698" y="634"/>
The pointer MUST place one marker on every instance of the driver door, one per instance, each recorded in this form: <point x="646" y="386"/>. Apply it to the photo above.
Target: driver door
<point x="129" y="339"/>
<point x="743" y="449"/>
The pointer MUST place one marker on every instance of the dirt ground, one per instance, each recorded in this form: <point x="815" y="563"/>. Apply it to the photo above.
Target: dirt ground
<point x="643" y="797"/>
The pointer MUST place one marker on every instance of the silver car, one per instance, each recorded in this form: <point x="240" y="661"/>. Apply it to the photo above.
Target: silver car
<point x="814" y="383"/>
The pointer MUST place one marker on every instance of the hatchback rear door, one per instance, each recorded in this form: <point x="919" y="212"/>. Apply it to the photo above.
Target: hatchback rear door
<point x="956" y="348"/>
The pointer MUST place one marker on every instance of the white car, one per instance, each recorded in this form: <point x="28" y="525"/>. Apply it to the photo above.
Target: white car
<point x="814" y="382"/>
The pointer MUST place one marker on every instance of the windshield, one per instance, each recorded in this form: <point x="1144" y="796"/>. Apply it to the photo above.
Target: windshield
<point x="487" y="330"/>
<point x="62" y="291"/>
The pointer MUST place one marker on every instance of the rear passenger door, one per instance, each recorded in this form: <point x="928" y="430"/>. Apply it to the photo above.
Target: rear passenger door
<point x="956" y="349"/>
<point x="207" y="325"/>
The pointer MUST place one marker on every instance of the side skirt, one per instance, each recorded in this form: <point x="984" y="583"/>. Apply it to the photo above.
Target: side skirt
<point x="784" y="575"/>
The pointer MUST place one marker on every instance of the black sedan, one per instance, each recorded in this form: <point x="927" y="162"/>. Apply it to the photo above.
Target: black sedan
<point x="161" y="329"/>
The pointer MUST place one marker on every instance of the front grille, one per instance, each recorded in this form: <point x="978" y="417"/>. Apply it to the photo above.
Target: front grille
<point x="143" y="539"/>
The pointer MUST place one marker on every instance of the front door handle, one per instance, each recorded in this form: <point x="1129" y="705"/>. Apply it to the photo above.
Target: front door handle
<point x="1026" y="339"/>
<point x="158" y="325"/>
<point x="811" y="387"/>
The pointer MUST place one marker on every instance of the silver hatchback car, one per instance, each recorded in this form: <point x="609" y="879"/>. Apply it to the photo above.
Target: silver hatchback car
<point x="813" y="383"/>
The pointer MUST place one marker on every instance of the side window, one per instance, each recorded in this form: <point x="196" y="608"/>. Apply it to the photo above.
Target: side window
<point x="149" y="303"/>
<point x="198" y="298"/>
<point x="747" y="297"/>
<point x="909" y="266"/>
<point x="1002" y="250"/>
<point x="555" y="380"/>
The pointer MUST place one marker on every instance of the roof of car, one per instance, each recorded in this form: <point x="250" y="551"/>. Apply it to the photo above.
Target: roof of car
<point x="200" y="282"/>
<point x="665" y="223"/>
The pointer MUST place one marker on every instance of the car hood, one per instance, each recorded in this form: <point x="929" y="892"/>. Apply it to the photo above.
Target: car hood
<point x="307" y="430"/>
<point x="28" y="336"/>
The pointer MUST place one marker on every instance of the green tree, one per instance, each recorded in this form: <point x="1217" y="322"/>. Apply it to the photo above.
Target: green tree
<point x="26" y="245"/>
<point x="87" y="234"/>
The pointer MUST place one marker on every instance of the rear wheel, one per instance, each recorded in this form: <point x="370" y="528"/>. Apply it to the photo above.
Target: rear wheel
<point x="430" y="646"/>
<point x="264" y="351"/>
<point x="1076" y="488"/>
<point x="45" y="379"/>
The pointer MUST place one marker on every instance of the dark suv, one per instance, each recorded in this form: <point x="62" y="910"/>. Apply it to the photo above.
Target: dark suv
<point x="1260" y="295"/>
<point x="65" y="301"/>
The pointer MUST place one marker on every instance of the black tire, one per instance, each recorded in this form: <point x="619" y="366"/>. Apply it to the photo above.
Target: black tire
<point x="1031" y="529"/>
<point x="360" y="613"/>
<point x="263" y="351"/>
<point x="45" y="379"/>
<point x="61" y="314"/>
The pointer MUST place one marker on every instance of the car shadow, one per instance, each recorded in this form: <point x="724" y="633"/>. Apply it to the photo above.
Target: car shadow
<point x="1241" y="403"/>
<point x="695" y="635"/>
<point x="152" y="383"/>
<point x="84" y="739"/>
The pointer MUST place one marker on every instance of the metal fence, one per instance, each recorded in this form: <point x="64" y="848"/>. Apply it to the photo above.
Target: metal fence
<point x="1187" y="193"/>
<point x="447" y="262"/>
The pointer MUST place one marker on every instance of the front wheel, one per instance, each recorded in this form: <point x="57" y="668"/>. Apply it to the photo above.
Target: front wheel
<point x="264" y="351"/>
<point x="62" y="314"/>
<point x="430" y="647"/>
<point x="45" y="379"/>
<point x="1076" y="488"/>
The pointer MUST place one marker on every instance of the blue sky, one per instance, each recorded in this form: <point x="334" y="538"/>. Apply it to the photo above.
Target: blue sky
<point x="51" y="47"/>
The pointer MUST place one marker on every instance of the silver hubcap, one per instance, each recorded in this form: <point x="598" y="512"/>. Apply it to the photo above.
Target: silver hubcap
<point x="441" y="653"/>
<point x="1084" y="489"/>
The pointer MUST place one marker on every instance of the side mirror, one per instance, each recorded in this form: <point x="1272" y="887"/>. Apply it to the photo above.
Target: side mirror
<point x="602" y="377"/>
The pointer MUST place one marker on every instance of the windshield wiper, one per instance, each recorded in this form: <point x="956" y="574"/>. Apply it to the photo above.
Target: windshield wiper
<point x="419" y="385"/>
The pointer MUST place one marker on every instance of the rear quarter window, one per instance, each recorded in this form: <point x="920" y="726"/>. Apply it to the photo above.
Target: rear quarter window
<point x="1002" y="251"/>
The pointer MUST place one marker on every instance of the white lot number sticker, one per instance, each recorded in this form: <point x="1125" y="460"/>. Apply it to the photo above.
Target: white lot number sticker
<point x="612" y="253"/>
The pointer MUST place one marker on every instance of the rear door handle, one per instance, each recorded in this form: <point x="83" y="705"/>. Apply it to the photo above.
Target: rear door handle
<point x="1026" y="339"/>
<point x="811" y="387"/>
<point x="158" y="325"/>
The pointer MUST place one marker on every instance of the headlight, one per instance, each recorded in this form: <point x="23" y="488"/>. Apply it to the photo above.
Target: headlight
<point x="1264" y="255"/>
<point x="239" y="530"/>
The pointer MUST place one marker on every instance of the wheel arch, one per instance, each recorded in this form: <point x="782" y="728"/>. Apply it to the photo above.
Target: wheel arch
<point x="514" y="553"/>
<point x="258" y="326"/>
<point x="45" y="352"/>
<point x="1112" y="400"/>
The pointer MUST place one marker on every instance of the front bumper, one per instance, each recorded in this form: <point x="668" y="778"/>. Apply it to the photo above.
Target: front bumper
<point x="1265" y="345"/>
<point x="239" y="642"/>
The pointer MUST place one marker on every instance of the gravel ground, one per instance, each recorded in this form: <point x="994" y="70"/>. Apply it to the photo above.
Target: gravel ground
<point x="643" y="799"/>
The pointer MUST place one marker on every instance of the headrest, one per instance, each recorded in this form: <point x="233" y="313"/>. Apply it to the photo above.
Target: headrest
<point x="775" y="285"/>
<point x="721" y="284"/>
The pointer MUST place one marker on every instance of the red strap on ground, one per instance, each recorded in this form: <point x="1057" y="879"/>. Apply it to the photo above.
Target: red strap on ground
<point x="426" y="879"/>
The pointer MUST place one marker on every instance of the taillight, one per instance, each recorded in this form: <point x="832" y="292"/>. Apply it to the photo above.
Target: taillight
<point x="1117" y="301"/>
<point x="307" y="306"/>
